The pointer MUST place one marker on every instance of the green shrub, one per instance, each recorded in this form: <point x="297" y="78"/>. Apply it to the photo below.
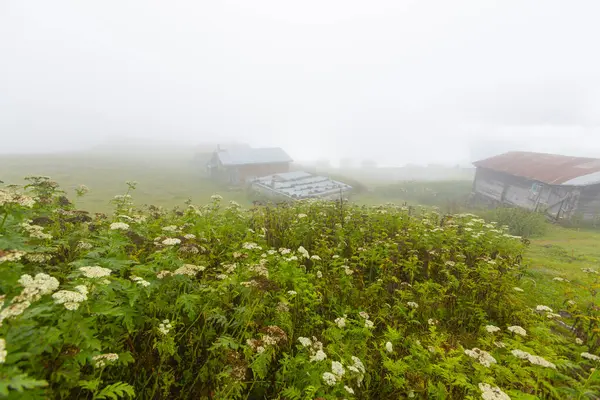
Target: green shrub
<point x="520" y="222"/>
<point x="300" y="301"/>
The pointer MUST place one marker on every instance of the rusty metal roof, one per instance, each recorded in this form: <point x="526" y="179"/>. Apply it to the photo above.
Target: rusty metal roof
<point x="547" y="168"/>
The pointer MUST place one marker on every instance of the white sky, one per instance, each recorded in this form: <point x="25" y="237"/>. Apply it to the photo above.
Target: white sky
<point x="391" y="80"/>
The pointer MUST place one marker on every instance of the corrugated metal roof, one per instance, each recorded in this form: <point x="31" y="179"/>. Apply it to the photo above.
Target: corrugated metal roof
<point x="547" y="168"/>
<point x="267" y="155"/>
<point x="301" y="185"/>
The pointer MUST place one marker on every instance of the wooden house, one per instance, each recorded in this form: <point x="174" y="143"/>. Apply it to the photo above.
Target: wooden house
<point x="243" y="165"/>
<point x="561" y="186"/>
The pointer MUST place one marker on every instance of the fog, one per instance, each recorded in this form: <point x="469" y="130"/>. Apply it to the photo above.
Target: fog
<point x="394" y="81"/>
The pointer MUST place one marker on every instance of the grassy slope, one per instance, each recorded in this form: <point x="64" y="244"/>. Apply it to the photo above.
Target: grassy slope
<point x="561" y="252"/>
<point x="163" y="180"/>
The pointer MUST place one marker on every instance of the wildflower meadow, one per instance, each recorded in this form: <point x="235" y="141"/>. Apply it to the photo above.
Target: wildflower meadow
<point x="310" y="300"/>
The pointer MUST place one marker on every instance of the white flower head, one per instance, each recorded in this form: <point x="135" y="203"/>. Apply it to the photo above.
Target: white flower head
<point x="337" y="368"/>
<point x="483" y="357"/>
<point x="492" y="329"/>
<point x="318" y="356"/>
<point x="3" y="352"/>
<point x="578" y="341"/>
<point x="292" y="292"/>
<point x="349" y="389"/>
<point x="589" y="356"/>
<point x="329" y="378"/>
<point x="171" y="241"/>
<point x="139" y="281"/>
<point x="119" y="226"/>
<point x="489" y="392"/>
<point x="389" y="347"/>
<point x="303" y="251"/>
<point x="304" y="341"/>
<point x="412" y="304"/>
<point x="101" y="360"/>
<point x="340" y="322"/>
<point x="518" y="289"/>
<point x="517" y="330"/>
<point x="95" y="272"/>
<point x="369" y="324"/>
<point x="543" y="308"/>
<point x="363" y="315"/>
<point x="319" y="274"/>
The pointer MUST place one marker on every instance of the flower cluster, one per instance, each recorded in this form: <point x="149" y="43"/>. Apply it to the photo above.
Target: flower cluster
<point x="389" y="347"/>
<point x="171" y="241"/>
<point x="34" y="288"/>
<point x="483" y="357"/>
<point x="101" y="360"/>
<point x="165" y="327"/>
<point x="260" y="269"/>
<point x="489" y="392"/>
<point x="14" y="198"/>
<point x="518" y="330"/>
<point x="82" y="246"/>
<point x="188" y="269"/>
<point x="95" y="272"/>
<point x="35" y="231"/>
<point x="340" y="322"/>
<point x="589" y="356"/>
<point x="412" y="304"/>
<point x="139" y="281"/>
<point x="71" y="299"/>
<point x="492" y="329"/>
<point x="303" y="252"/>
<point x="3" y="352"/>
<point x="11" y="255"/>
<point x="115" y="226"/>
<point x="347" y="270"/>
<point x="536" y="360"/>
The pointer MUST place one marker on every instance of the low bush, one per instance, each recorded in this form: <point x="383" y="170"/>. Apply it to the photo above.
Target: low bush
<point x="519" y="221"/>
<point x="301" y="301"/>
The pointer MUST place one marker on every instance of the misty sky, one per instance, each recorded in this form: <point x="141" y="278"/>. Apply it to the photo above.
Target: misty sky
<point x="395" y="81"/>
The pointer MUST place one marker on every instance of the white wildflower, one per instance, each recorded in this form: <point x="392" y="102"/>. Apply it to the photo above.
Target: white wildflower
<point x="482" y="356"/>
<point x="304" y="341"/>
<point x="81" y="245"/>
<point x="101" y="360"/>
<point x="260" y="349"/>
<point x="347" y="270"/>
<point x="389" y="347"/>
<point x="139" y="281"/>
<point x="284" y="251"/>
<point x="368" y="324"/>
<point x="432" y="321"/>
<point x="315" y="257"/>
<point x="95" y="272"/>
<point x="11" y="255"/>
<point x="349" y="389"/>
<point x="492" y="328"/>
<point x="3" y="352"/>
<point x="543" y="308"/>
<point x="292" y="258"/>
<point x="189" y="236"/>
<point x="189" y="270"/>
<point x="300" y="216"/>
<point x="489" y="392"/>
<point x="553" y="315"/>
<point x="35" y="287"/>
<point x="537" y="360"/>
<point x="71" y="299"/>
<point x="571" y="303"/>
<point x="578" y="341"/>
<point x="319" y="274"/>
<point x="318" y="356"/>
<point x="271" y="252"/>
<point x="163" y="274"/>
<point x="216" y="197"/>
<point x="292" y="292"/>
<point x="337" y="368"/>
<point x="589" y="270"/>
<point x="329" y="378"/>
<point x="500" y="345"/>
<point x="518" y="289"/>
<point x="221" y="277"/>
<point x="518" y="330"/>
<point x="171" y="241"/>
<point x="38" y="257"/>
<point x="412" y="304"/>
<point x="559" y="279"/>
<point x="251" y="246"/>
<point x="165" y="327"/>
<point x="358" y="364"/>
<point x="303" y="251"/>
<point x="170" y="228"/>
<point x="119" y="226"/>
<point x="363" y="315"/>
<point x="589" y="356"/>
<point x="340" y="322"/>
<point x="335" y="256"/>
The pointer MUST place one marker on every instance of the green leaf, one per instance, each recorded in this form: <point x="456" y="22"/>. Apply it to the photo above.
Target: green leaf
<point x="115" y="391"/>
<point x="19" y="383"/>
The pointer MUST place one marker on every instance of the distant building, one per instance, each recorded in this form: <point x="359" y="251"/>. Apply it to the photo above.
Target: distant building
<point x="561" y="186"/>
<point x="241" y="165"/>
<point x="299" y="185"/>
